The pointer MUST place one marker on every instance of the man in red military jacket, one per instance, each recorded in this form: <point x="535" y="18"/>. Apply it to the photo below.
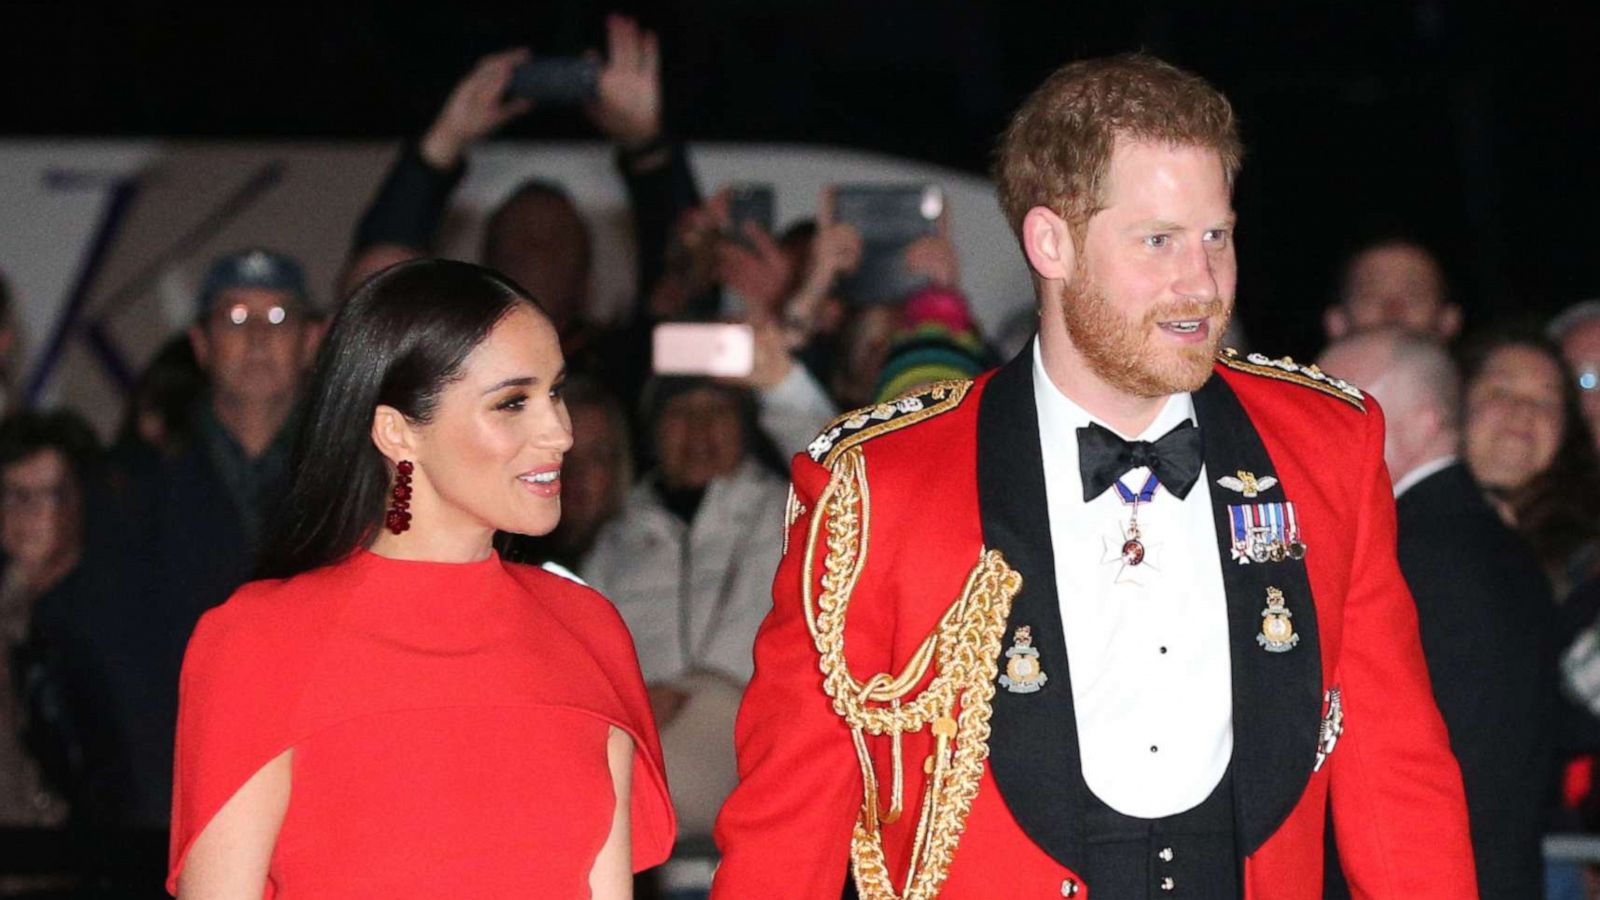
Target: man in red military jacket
<point x="1120" y="619"/>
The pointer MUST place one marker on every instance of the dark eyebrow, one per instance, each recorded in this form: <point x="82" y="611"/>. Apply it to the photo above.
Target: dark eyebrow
<point x="524" y="381"/>
<point x="511" y="382"/>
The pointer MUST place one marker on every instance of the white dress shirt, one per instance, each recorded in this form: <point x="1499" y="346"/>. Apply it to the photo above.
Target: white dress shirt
<point x="1147" y="645"/>
<point x="1411" y="478"/>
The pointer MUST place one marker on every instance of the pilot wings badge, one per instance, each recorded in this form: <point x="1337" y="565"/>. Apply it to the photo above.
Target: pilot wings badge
<point x="1247" y="483"/>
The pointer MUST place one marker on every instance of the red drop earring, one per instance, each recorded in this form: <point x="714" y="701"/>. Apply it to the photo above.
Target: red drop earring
<point x="399" y="515"/>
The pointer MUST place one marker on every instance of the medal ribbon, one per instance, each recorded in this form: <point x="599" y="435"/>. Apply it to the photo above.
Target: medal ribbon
<point x="1144" y="495"/>
<point x="1241" y="534"/>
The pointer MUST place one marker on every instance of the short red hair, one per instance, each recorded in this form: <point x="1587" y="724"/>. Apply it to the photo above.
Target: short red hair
<point x="1057" y="149"/>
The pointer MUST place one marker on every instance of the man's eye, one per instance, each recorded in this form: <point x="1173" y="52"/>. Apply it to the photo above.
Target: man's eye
<point x="1217" y="236"/>
<point x="1157" y="241"/>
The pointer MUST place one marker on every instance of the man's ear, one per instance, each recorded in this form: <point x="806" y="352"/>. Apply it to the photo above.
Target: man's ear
<point x="1047" y="242"/>
<point x="393" y="434"/>
<point x="201" y="345"/>
<point x="1335" y="322"/>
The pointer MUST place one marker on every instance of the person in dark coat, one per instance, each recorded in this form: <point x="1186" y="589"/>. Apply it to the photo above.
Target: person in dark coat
<point x="170" y="534"/>
<point x="1484" y="606"/>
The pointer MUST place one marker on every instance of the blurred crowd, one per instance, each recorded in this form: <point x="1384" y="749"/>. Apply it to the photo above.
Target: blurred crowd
<point x="674" y="492"/>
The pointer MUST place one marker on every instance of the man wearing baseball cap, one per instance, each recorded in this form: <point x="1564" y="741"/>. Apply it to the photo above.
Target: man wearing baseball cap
<point x="172" y="533"/>
<point x="254" y="335"/>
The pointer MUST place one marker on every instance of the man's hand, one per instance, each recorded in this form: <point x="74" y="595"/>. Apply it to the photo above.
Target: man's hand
<point x="772" y="360"/>
<point x="835" y="251"/>
<point x="628" y="108"/>
<point x="934" y="257"/>
<point x="759" y="272"/>
<point x="476" y="108"/>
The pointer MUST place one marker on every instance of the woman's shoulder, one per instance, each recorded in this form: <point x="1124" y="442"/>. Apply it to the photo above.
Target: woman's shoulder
<point x="265" y="623"/>
<point x="585" y="611"/>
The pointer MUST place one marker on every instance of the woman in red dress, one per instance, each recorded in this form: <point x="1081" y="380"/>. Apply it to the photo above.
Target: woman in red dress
<point x="394" y="711"/>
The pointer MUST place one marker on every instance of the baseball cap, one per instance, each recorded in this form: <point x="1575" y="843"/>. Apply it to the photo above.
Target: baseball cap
<point x="252" y="268"/>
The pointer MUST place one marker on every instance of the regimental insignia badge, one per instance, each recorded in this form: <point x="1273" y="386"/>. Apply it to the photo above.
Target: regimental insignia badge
<point x="1332" y="725"/>
<point x="1023" y="674"/>
<point x="1247" y="483"/>
<point x="1277" y="632"/>
<point x="1265" y="532"/>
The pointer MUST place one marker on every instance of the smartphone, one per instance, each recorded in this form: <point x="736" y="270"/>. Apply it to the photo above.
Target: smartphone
<point x="889" y="217"/>
<point x="716" y="349"/>
<point x="565" y="80"/>
<point x="748" y="203"/>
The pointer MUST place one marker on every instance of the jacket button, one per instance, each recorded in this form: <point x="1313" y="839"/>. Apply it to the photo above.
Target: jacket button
<point x="1069" y="888"/>
<point x="1168" y="884"/>
<point x="1165" y="854"/>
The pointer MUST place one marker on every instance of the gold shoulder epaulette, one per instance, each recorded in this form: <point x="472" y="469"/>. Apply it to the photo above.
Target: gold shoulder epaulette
<point x="1286" y="369"/>
<point x="869" y="422"/>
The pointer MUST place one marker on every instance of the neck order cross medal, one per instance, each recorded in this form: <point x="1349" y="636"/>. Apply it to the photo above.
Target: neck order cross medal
<point x="1132" y="552"/>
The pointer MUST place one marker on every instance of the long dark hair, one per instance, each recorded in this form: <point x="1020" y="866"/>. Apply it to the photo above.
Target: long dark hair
<point x="398" y="341"/>
<point x="1558" y="509"/>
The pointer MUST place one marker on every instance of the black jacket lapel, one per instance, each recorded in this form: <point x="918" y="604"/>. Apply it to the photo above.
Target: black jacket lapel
<point x="1033" y="751"/>
<point x="1277" y="697"/>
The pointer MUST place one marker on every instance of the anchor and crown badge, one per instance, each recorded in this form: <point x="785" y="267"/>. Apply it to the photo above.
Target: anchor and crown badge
<point x="1023" y="674"/>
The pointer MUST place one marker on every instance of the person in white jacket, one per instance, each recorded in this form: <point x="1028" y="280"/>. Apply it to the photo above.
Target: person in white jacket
<point x="689" y="565"/>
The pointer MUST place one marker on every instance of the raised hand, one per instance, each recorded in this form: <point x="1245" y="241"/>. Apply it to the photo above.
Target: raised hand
<point x="935" y="257"/>
<point x="476" y="108"/>
<point x="758" y="271"/>
<point x="628" y="106"/>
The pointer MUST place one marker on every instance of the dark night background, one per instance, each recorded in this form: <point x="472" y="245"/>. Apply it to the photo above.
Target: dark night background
<point x="1468" y="124"/>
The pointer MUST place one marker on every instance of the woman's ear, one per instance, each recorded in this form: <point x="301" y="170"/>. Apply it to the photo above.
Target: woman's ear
<point x="1047" y="242"/>
<point x="393" y="434"/>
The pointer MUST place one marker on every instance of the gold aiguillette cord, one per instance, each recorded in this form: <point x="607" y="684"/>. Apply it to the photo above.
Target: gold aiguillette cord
<point x="963" y="648"/>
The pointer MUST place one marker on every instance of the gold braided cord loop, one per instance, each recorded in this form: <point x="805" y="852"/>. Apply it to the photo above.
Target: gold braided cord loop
<point x="964" y="647"/>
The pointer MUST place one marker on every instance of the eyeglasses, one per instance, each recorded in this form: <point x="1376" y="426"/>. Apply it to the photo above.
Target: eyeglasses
<point x="1589" y="379"/>
<point x="240" y="315"/>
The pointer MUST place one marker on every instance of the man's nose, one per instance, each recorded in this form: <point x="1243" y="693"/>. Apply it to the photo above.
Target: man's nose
<point x="1198" y="278"/>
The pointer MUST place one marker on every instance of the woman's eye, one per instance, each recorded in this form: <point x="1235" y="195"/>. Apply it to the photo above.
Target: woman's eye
<point x="557" y="390"/>
<point x="512" y="403"/>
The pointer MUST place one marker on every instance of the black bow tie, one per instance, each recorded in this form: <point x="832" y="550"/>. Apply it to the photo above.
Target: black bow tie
<point x="1103" y="458"/>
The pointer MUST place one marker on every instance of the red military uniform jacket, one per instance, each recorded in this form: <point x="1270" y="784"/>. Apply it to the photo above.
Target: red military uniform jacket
<point x="954" y="470"/>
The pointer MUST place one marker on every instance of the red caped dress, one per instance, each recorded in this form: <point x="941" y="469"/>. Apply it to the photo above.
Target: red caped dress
<point x="449" y="726"/>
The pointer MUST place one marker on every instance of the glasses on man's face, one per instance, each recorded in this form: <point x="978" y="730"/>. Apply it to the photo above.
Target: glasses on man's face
<point x="1589" y="379"/>
<point x="240" y="315"/>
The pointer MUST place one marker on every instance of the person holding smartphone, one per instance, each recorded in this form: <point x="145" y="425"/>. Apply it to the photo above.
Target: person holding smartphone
<point x="688" y="563"/>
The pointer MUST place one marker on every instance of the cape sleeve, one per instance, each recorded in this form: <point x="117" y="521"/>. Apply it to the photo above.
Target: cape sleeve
<point x="596" y="622"/>
<point x="236" y="699"/>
